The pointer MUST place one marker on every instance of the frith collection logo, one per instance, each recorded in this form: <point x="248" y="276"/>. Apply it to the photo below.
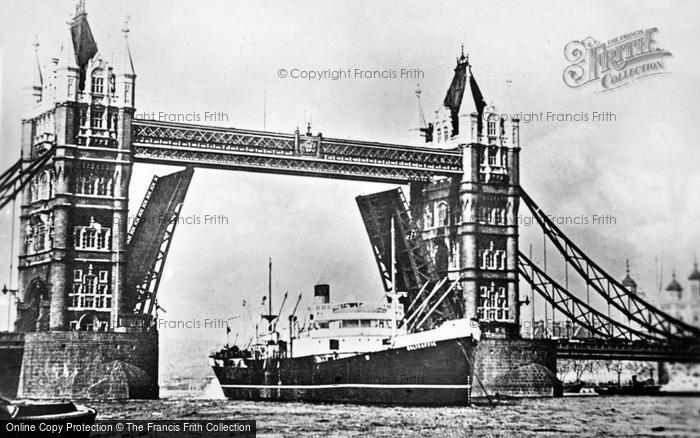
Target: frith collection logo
<point x="615" y="63"/>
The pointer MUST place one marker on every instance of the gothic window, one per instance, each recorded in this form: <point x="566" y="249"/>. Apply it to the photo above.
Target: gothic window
<point x="442" y="215"/>
<point x="83" y="116"/>
<point x="493" y="303"/>
<point x="493" y="210"/>
<point x="34" y="190"/>
<point x="447" y="133"/>
<point x="97" y="120"/>
<point x="492" y="156"/>
<point x="127" y="94"/>
<point x="439" y="134"/>
<point x="91" y="289"/>
<point x="94" y="179"/>
<point x="44" y="185"/>
<point x="115" y="120"/>
<point x="454" y="254"/>
<point x="29" y="239"/>
<point x="491" y="128"/>
<point x="40" y="242"/>
<point x="496" y="216"/>
<point x="93" y="236"/>
<point x="492" y="257"/>
<point x="36" y="235"/>
<point x="98" y="83"/>
<point x="428" y="216"/>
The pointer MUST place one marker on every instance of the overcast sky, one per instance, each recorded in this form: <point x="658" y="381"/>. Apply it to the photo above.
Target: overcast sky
<point x="195" y="56"/>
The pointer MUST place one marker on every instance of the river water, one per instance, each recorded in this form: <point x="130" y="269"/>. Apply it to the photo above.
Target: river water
<point x="569" y="416"/>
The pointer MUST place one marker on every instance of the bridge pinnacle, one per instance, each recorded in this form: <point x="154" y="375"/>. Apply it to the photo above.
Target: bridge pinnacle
<point x="125" y="29"/>
<point x="37" y="79"/>
<point x="80" y="8"/>
<point x="125" y="64"/>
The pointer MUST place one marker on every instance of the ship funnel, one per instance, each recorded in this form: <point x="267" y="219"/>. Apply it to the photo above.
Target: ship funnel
<point x="322" y="294"/>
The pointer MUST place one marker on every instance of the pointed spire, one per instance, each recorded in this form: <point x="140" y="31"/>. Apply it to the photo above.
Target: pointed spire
<point x="67" y="58"/>
<point x="84" y="44"/>
<point x="695" y="275"/>
<point x="628" y="282"/>
<point x="80" y="8"/>
<point x="124" y="63"/>
<point x="37" y="79"/>
<point x="421" y="115"/>
<point x="462" y="81"/>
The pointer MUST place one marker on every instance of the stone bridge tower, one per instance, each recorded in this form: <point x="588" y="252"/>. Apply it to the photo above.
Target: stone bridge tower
<point x="470" y="224"/>
<point x="74" y="212"/>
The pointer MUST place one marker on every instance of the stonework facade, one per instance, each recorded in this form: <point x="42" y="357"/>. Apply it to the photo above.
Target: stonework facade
<point x="74" y="212"/>
<point x="470" y="224"/>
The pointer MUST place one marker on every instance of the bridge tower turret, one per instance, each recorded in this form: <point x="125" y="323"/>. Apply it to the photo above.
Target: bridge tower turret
<point x="470" y="223"/>
<point x="74" y="212"/>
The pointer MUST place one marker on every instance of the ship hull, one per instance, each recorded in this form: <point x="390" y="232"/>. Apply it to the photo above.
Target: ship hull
<point x="433" y="373"/>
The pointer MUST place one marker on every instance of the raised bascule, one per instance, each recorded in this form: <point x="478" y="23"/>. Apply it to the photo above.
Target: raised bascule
<point x="88" y="279"/>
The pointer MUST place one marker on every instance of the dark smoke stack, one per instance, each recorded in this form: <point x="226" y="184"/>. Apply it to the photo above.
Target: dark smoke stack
<point x="322" y="293"/>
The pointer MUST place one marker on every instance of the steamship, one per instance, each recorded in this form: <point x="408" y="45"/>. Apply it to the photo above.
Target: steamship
<point x="352" y="352"/>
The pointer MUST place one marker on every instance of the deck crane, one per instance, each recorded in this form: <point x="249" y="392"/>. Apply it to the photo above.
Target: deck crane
<point x="279" y="313"/>
<point x="292" y="319"/>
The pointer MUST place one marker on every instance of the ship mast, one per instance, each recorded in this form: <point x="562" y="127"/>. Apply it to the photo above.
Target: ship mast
<point x="269" y="317"/>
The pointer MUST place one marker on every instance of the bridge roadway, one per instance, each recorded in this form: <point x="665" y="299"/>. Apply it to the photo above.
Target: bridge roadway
<point x="296" y="154"/>
<point x="606" y="349"/>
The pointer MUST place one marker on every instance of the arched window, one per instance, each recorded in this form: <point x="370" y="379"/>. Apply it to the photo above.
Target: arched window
<point x="491" y="128"/>
<point x="98" y="82"/>
<point x="439" y="135"/>
<point x="83" y="117"/>
<point x="428" y="217"/>
<point x="492" y="156"/>
<point x="91" y="288"/>
<point x="34" y="190"/>
<point x="92" y="237"/>
<point x="39" y="234"/>
<point x="52" y="184"/>
<point x="97" y="119"/>
<point x="442" y="215"/>
<point x="45" y="185"/>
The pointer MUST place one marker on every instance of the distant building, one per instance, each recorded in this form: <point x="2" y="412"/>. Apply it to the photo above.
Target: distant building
<point x="684" y="305"/>
<point x="629" y="283"/>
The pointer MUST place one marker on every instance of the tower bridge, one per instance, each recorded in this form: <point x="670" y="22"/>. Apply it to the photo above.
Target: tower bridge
<point x="88" y="282"/>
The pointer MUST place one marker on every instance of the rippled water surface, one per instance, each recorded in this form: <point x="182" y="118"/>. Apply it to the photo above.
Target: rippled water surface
<point x="569" y="416"/>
